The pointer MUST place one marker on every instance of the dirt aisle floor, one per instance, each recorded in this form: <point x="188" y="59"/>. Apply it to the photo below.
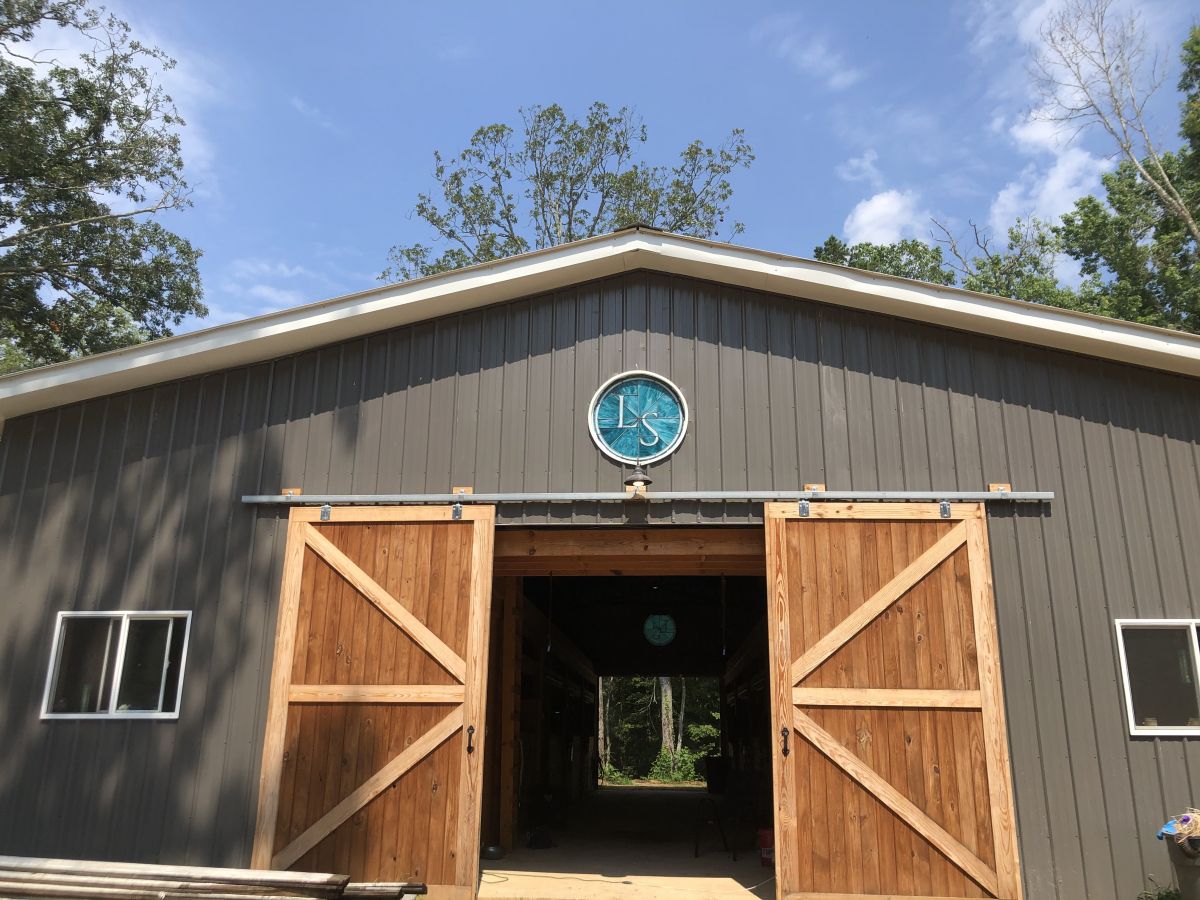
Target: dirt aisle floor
<point x="632" y="842"/>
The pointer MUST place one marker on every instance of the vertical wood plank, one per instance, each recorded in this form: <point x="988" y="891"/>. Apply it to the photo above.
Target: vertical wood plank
<point x="995" y="731"/>
<point x="471" y="791"/>
<point x="780" y="648"/>
<point x="285" y="642"/>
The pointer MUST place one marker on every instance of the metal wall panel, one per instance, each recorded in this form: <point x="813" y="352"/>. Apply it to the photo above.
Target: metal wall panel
<point x="131" y="502"/>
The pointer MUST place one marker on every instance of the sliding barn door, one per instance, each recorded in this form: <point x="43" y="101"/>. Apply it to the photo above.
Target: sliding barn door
<point x="891" y="766"/>
<point x="373" y="757"/>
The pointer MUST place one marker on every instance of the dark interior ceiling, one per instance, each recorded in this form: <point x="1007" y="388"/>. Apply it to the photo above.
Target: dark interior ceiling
<point x="604" y="617"/>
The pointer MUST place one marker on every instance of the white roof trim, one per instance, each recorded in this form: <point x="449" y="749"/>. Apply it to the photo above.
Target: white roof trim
<point x="343" y="318"/>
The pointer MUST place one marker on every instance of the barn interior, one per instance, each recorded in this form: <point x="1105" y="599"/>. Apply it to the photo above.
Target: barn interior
<point x="562" y="832"/>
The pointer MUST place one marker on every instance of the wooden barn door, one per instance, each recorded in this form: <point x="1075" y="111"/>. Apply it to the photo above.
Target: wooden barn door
<point x="891" y="766"/>
<point x="373" y="757"/>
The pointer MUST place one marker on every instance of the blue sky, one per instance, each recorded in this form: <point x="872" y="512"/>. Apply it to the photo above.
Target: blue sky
<point x="312" y="126"/>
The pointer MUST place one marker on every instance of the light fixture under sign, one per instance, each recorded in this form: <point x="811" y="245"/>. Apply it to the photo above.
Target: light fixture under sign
<point x="638" y="481"/>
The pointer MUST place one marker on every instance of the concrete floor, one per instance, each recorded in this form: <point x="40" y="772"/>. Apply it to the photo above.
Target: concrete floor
<point x="630" y="842"/>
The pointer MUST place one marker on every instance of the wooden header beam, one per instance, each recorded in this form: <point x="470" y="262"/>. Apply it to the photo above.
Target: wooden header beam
<point x="705" y="550"/>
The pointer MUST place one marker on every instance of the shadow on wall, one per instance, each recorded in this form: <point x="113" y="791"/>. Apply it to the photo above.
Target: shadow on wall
<point x="133" y="503"/>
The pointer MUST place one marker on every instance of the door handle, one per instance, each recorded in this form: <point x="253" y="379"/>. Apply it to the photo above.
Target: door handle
<point x="784" y="733"/>
<point x="470" y="738"/>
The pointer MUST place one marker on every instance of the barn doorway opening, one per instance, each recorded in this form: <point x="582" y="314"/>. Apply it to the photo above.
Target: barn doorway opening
<point x="585" y="792"/>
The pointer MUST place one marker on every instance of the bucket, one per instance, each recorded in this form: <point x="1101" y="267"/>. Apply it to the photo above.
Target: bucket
<point x="1185" y="860"/>
<point x="766" y="847"/>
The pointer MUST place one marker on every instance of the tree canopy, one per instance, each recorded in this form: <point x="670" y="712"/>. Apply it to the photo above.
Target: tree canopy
<point x="556" y="179"/>
<point x="89" y="152"/>
<point x="907" y="258"/>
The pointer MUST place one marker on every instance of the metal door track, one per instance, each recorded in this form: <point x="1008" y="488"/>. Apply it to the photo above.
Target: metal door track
<point x="651" y="497"/>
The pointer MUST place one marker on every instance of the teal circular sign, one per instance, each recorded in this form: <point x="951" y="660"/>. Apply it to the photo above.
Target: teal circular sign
<point x="659" y="629"/>
<point x="638" y="417"/>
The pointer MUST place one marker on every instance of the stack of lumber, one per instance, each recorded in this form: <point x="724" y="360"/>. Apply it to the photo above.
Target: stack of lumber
<point x="27" y="878"/>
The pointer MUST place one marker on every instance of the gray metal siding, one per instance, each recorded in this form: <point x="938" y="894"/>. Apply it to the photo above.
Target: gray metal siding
<point x="131" y="501"/>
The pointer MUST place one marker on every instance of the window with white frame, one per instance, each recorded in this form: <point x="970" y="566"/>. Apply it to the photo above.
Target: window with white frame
<point x="1160" y="659"/>
<point x="117" y="665"/>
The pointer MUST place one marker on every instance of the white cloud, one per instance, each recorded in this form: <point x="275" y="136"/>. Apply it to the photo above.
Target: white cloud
<point x="1060" y="173"/>
<point x="275" y="297"/>
<point x="995" y="22"/>
<point x="1035" y="132"/>
<point x="254" y="285"/>
<point x="809" y="54"/>
<point x="256" y="282"/>
<point x="908" y="132"/>
<point x="456" y="51"/>
<point x="886" y="217"/>
<point x="862" y="168"/>
<point x="256" y="267"/>
<point x="312" y="113"/>
<point x="1047" y="191"/>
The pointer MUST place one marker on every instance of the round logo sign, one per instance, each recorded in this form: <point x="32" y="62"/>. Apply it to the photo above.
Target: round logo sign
<point x="638" y="417"/>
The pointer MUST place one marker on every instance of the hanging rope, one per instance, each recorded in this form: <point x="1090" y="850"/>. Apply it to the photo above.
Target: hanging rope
<point x="722" y="616"/>
<point x="550" y="617"/>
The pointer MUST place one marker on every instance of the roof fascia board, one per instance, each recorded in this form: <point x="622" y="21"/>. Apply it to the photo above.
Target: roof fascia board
<point x="1047" y="326"/>
<point x="303" y="328"/>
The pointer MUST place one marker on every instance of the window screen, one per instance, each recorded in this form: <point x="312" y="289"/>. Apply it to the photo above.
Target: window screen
<point x="118" y="664"/>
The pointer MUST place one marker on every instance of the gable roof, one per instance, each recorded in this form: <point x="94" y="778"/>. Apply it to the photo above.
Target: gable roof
<point x="343" y="318"/>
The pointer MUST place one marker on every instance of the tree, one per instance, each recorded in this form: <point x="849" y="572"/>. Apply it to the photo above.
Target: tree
<point x="642" y="738"/>
<point x="1139" y="249"/>
<point x="907" y="258"/>
<point x="89" y="151"/>
<point x="1092" y="72"/>
<point x="561" y="179"/>
<point x="666" y="706"/>
<point x="1023" y="270"/>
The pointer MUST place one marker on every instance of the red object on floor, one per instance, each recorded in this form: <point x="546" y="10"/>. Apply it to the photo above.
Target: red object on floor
<point x="766" y="847"/>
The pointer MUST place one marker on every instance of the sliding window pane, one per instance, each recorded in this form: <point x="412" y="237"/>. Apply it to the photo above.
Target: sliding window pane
<point x="1162" y="676"/>
<point x="86" y="658"/>
<point x="142" y="669"/>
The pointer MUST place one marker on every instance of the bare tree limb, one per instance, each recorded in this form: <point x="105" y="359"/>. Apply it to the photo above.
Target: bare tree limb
<point x="1091" y="71"/>
<point x="166" y="201"/>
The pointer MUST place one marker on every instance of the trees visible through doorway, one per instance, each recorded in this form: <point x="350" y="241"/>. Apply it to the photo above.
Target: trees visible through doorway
<point x="657" y="728"/>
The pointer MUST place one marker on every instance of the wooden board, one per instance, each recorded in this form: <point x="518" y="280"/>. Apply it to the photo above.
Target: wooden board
<point x="891" y="755"/>
<point x="629" y="551"/>
<point x="374" y="749"/>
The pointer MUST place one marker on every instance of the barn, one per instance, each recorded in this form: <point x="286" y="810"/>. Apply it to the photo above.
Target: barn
<point x="330" y="589"/>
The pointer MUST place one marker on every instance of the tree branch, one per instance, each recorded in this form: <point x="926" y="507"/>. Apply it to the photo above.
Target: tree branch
<point x="165" y="202"/>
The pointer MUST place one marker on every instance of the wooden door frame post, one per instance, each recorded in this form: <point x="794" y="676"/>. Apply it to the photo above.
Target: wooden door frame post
<point x="508" y="595"/>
